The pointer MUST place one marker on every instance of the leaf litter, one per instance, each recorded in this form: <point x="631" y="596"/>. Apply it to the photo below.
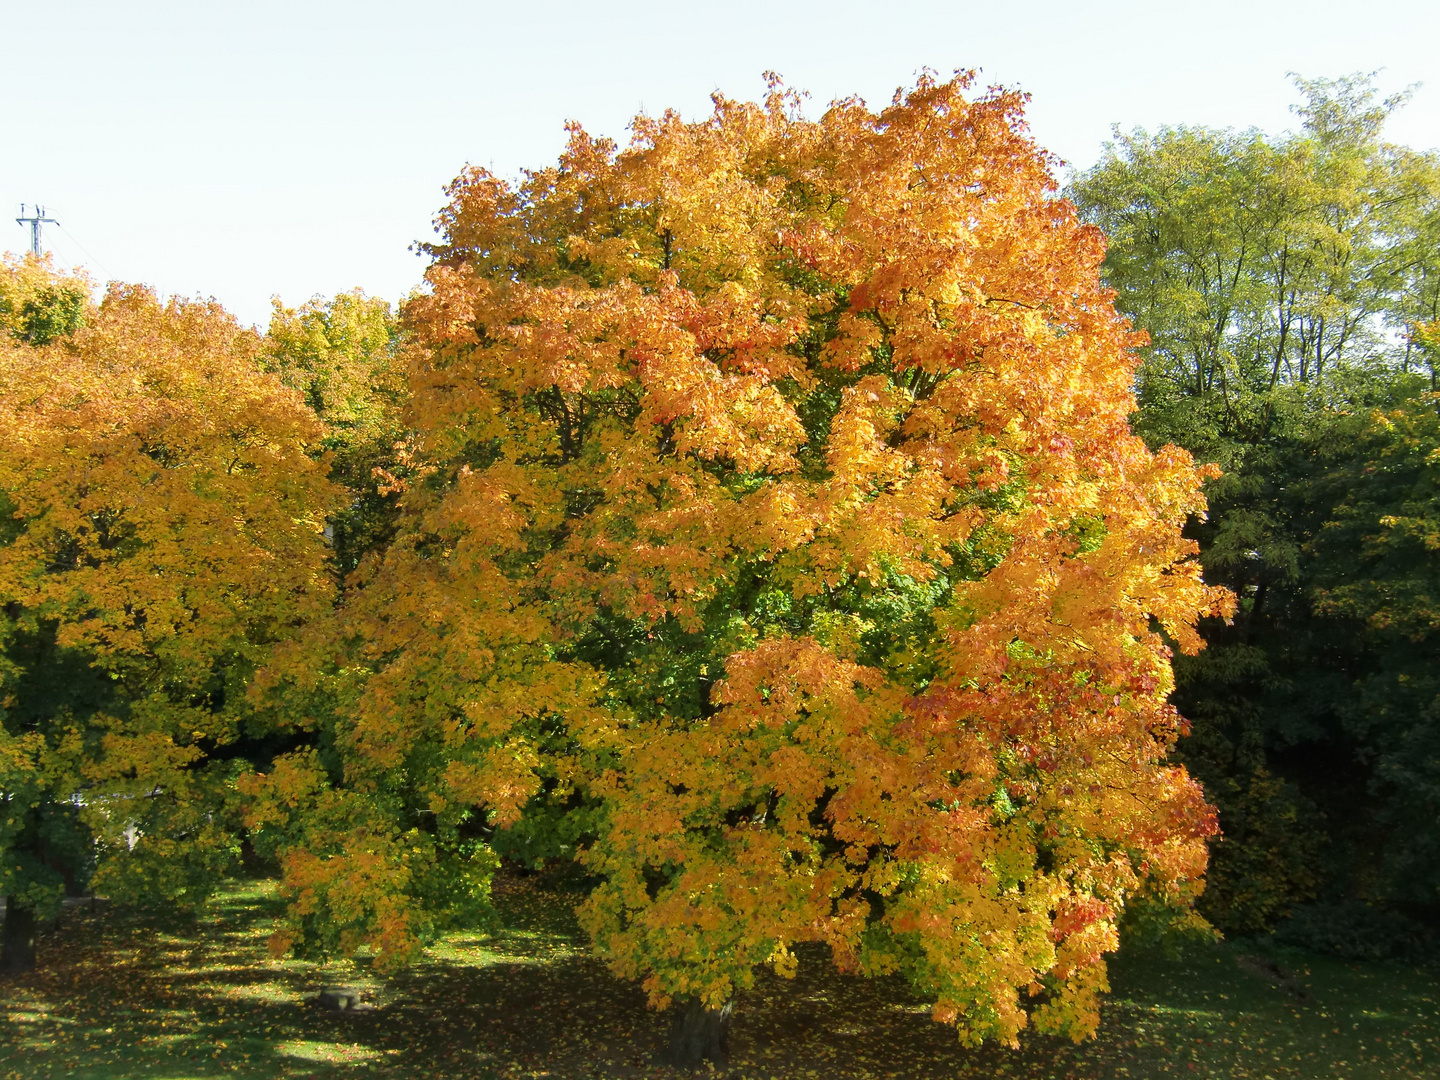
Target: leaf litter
<point x="125" y="995"/>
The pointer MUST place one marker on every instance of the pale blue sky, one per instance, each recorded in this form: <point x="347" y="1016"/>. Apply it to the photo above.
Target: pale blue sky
<point x="245" y="149"/>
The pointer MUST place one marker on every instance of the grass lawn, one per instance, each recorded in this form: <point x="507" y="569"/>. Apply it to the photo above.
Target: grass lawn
<point x="121" y="996"/>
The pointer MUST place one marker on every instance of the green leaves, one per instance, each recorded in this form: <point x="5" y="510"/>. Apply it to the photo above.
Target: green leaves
<point x="39" y="306"/>
<point x="1274" y="276"/>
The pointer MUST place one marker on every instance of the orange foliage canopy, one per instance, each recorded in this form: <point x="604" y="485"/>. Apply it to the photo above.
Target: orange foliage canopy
<point x="780" y="509"/>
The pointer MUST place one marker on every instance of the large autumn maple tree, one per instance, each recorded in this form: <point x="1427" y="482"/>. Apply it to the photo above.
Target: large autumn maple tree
<point x="775" y="520"/>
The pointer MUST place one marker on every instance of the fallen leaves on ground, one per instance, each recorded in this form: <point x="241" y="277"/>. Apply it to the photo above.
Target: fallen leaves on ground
<point x="130" y="997"/>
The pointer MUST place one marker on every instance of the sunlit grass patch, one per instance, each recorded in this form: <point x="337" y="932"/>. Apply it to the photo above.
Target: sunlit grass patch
<point x="1199" y="1014"/>
<point x="273" y="993"/>
<point x="331" y="1053"/>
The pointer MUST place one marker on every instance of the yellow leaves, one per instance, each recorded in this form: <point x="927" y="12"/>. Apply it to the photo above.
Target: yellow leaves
<point x="782" y="961"/>
<point x="38" y="304"/>
<point x="503" y="779"/>
<point x="150" y="756"/>
<point x="852" y="348"/>
<point x="165" y="476"/>
<point x="162" y="531"/>
<point x="857" y="452"/>
<point x="340" y="355"/>
<point x="350" y="873"/>
<point x="295" y="781"/>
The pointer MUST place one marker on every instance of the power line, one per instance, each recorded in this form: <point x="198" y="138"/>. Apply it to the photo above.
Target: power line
<point x="84" y="250"/>
<point x="36" y="219"/>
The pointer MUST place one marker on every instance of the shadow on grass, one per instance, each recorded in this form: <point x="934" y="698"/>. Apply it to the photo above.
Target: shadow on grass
<point x="129" y="996"/>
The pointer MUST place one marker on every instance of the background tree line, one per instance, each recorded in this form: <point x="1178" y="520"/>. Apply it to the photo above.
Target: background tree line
<point x="1290" y="286"/>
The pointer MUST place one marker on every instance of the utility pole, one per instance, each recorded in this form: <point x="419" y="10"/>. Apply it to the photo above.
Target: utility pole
<point x="35" y="220"/>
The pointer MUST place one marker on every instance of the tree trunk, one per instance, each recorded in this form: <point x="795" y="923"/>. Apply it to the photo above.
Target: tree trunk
<point x="17" y="939"/>
<point x="700" y="1034"/>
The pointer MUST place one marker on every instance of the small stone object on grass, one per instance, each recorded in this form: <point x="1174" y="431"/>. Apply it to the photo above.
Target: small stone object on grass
<point x="341" y="999"/>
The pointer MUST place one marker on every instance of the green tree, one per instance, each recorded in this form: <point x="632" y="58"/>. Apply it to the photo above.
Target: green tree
<point x="1276" y="277"/>
<point x="38" y="305"/>
<point x="347" y="356"/>
<point x="1376" y="570"/>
